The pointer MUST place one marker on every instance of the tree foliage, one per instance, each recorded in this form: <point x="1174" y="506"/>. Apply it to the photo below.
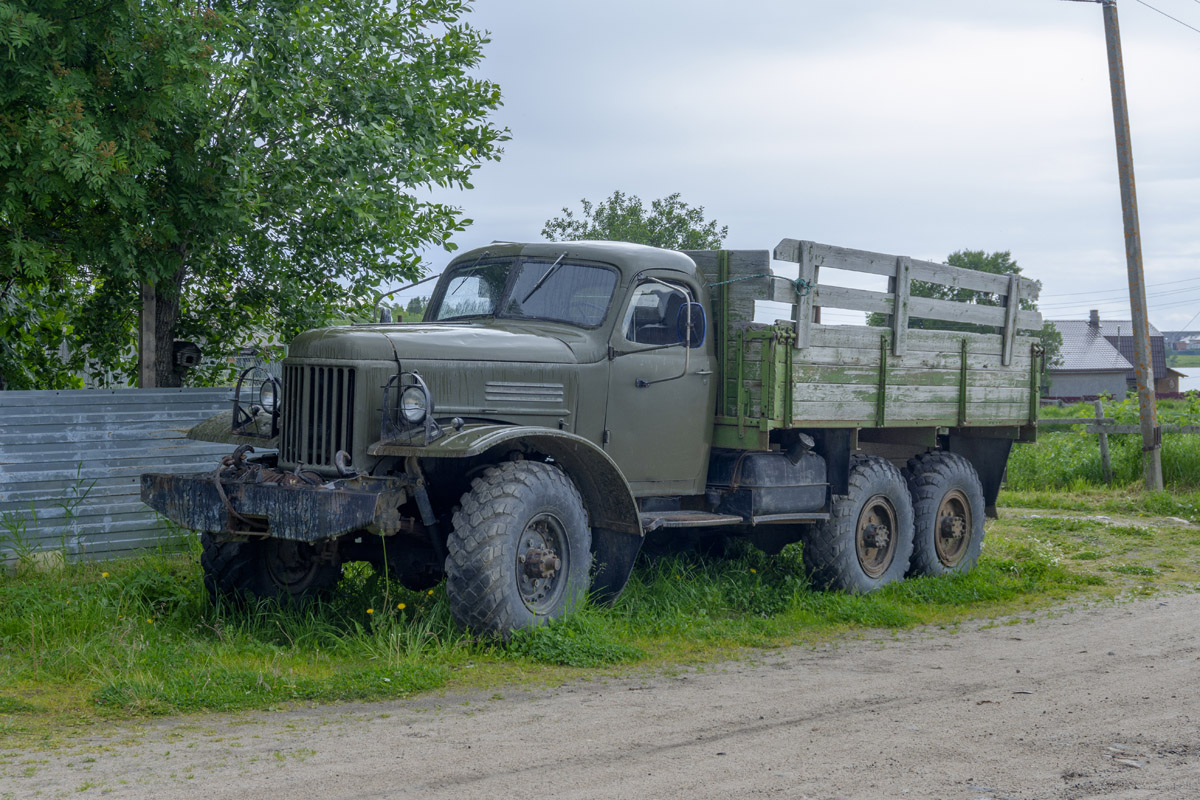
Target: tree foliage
<point x="999" y="263"/>
<point x="669" y="223"/>
<point x="256" y="160"/>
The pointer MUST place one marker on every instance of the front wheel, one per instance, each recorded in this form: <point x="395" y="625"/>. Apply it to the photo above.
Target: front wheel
<point x="867" y="541"/>
<point x="520" y="549"/>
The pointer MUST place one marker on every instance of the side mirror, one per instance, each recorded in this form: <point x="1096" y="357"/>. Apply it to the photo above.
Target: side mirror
<point x="694" y="334"/>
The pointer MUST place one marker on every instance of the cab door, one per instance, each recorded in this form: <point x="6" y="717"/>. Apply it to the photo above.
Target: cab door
<point x="661" y="391"/>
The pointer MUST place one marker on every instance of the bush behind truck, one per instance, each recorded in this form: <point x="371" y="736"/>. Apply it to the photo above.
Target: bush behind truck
<point x="561" y="402"/>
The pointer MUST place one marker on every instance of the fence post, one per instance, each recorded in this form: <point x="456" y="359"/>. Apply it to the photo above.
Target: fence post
<point x="1105" y="458"/>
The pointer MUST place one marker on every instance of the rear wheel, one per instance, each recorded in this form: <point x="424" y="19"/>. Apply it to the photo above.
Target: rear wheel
<point x="868" y="540"/>
<point x="267" y="568"/>
<point x="948" y="511"/>
<point x="520" y="550"/>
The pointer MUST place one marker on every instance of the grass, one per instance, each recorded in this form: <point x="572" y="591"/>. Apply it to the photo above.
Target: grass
<point x="1183" y="360"/>
<point x="88" y="643"/>
<point x="1069" y="458"/>
<point x="83" y="644"/>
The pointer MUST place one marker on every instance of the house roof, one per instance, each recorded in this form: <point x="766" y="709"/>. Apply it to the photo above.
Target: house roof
<point x="1084" y="349"/>
<point x="1120" y="335"/>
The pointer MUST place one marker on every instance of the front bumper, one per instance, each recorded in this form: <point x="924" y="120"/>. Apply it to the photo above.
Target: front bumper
<point x="302" y="513"/>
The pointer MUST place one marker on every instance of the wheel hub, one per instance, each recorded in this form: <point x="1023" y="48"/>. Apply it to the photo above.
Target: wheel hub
<point x="876" y="535"/>
<point x="953" y="529"/>
<point x="541" y="554"/>
<point x="873" y="542"/>
<point x="540" y="563"/>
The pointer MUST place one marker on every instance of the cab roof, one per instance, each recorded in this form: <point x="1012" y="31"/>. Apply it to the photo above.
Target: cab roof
<point x="629" y="258"/>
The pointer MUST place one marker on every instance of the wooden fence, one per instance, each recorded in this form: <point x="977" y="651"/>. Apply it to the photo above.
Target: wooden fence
<point x="70" y="463"/>
<point x="1104" y="427"/>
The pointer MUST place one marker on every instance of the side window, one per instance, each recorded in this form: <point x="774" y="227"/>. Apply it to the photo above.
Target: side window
<point x="653" y="314"/>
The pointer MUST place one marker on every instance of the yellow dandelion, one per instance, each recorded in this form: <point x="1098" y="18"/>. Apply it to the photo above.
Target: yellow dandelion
<point x="370" y="611"/>
<point x="103" y="574"/>
<point x="400" y="606"/>
<point x="752" y="569"/>
<point x="430" y="592"/>
<point x="150" y="621"/>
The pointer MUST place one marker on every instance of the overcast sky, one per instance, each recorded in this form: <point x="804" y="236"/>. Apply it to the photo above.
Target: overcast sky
<point x="914" y="128"/>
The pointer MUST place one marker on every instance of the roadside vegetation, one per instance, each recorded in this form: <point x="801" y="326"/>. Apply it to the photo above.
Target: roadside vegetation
<point x="1183" y="360"/>
<point x="137" y="638"/>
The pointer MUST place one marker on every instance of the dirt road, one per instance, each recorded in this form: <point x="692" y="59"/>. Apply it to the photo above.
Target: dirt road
<point x="1098" y="702"/>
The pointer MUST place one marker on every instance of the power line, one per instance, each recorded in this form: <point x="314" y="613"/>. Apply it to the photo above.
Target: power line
<point x="1188" y="295"/>
<point x="1168" y="16"/>
<point x="1115" y="291"/>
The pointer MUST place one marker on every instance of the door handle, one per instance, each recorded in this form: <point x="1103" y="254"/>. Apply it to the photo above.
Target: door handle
<point x="703" y="372"/>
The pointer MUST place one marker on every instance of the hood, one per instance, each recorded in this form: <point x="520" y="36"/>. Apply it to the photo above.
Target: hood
<point x="445" y="341"/>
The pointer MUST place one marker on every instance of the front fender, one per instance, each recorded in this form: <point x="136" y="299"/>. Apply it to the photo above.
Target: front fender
<point x="612" y="510"/>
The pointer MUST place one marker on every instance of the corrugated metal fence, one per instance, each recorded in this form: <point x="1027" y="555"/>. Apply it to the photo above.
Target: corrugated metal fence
<point x="70" y="464"/>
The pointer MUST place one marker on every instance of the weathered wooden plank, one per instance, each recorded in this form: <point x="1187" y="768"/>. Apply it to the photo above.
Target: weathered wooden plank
<point x="881" y="264"/>
<point x="807" y="280"/>
<point x="901" y="287"/>
<point x="924" y="308"/>
<point x="926" y="359"/>
<point x="813" y="374"/>
<point x="919" y="339"/>
<point x="1126" y="429"/>
<point x="1011" y="312"/>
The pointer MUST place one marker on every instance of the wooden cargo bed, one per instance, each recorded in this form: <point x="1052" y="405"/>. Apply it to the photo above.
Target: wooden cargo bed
<point x="787" y="370"/>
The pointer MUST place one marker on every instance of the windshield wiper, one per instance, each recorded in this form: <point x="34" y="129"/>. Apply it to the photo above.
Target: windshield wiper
<point x="553" y="268"/>
<point x="471" y="270"/>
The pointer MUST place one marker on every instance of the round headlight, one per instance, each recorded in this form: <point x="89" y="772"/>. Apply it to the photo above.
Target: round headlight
<point x="413" y="405"/>
<point x="268" y="396"/>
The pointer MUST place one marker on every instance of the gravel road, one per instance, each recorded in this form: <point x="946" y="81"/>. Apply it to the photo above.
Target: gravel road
<point x="1093" y="702"/>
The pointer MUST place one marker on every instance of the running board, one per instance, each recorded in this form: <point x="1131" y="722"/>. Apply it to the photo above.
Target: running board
<point x="653" y="520"/>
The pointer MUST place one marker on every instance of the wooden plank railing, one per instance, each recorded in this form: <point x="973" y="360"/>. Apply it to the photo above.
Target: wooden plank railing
<point x="898" y="302"/>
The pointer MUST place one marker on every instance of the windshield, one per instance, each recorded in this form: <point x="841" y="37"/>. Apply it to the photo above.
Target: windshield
<point x="527" y="288"/>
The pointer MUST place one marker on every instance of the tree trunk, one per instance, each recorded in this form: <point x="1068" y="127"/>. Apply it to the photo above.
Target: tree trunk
<point x="167" y="315"/>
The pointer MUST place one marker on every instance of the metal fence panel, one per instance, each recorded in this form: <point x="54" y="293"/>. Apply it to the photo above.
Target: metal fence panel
<point x="70" y="463"/>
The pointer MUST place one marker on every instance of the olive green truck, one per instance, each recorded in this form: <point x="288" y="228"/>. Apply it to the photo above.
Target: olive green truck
<point x="562" y="402"/>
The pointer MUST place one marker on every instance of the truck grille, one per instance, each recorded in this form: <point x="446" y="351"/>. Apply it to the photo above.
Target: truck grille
<point x="318" y="414"/>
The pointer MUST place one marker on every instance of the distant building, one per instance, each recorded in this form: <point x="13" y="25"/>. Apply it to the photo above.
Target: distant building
<point x="1087" y="366"/>
<point x="1190" y="343"/>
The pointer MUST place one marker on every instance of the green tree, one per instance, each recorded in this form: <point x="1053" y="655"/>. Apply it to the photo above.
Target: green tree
<point x="999" y="263"/>
<point x="670" y="223"/>
<point x="255" y="160"/>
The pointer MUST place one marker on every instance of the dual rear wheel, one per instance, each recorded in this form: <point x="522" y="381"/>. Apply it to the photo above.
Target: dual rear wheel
<point x="924" y="520"/>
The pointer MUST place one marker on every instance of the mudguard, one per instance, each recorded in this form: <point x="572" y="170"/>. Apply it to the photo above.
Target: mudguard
<point x="612" y="510"/>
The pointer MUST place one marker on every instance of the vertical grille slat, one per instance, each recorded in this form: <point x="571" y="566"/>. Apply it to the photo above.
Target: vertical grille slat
<point x="318" y="414"/>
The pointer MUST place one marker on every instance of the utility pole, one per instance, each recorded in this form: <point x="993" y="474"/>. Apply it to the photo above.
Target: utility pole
<point x="1143" y="364"/>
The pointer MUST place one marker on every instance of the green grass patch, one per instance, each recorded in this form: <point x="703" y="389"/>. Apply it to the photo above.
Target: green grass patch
<point x="1183" y="360"/>
<point x="1068" y="458"/>
<point x="137" y="638"/>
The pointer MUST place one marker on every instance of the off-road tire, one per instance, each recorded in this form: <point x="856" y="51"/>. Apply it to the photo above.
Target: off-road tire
<point x="832" y="552"/>
<point x="258" y="569"/>
<point x="941" y="485"/>
<point x="510" y="508"/>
